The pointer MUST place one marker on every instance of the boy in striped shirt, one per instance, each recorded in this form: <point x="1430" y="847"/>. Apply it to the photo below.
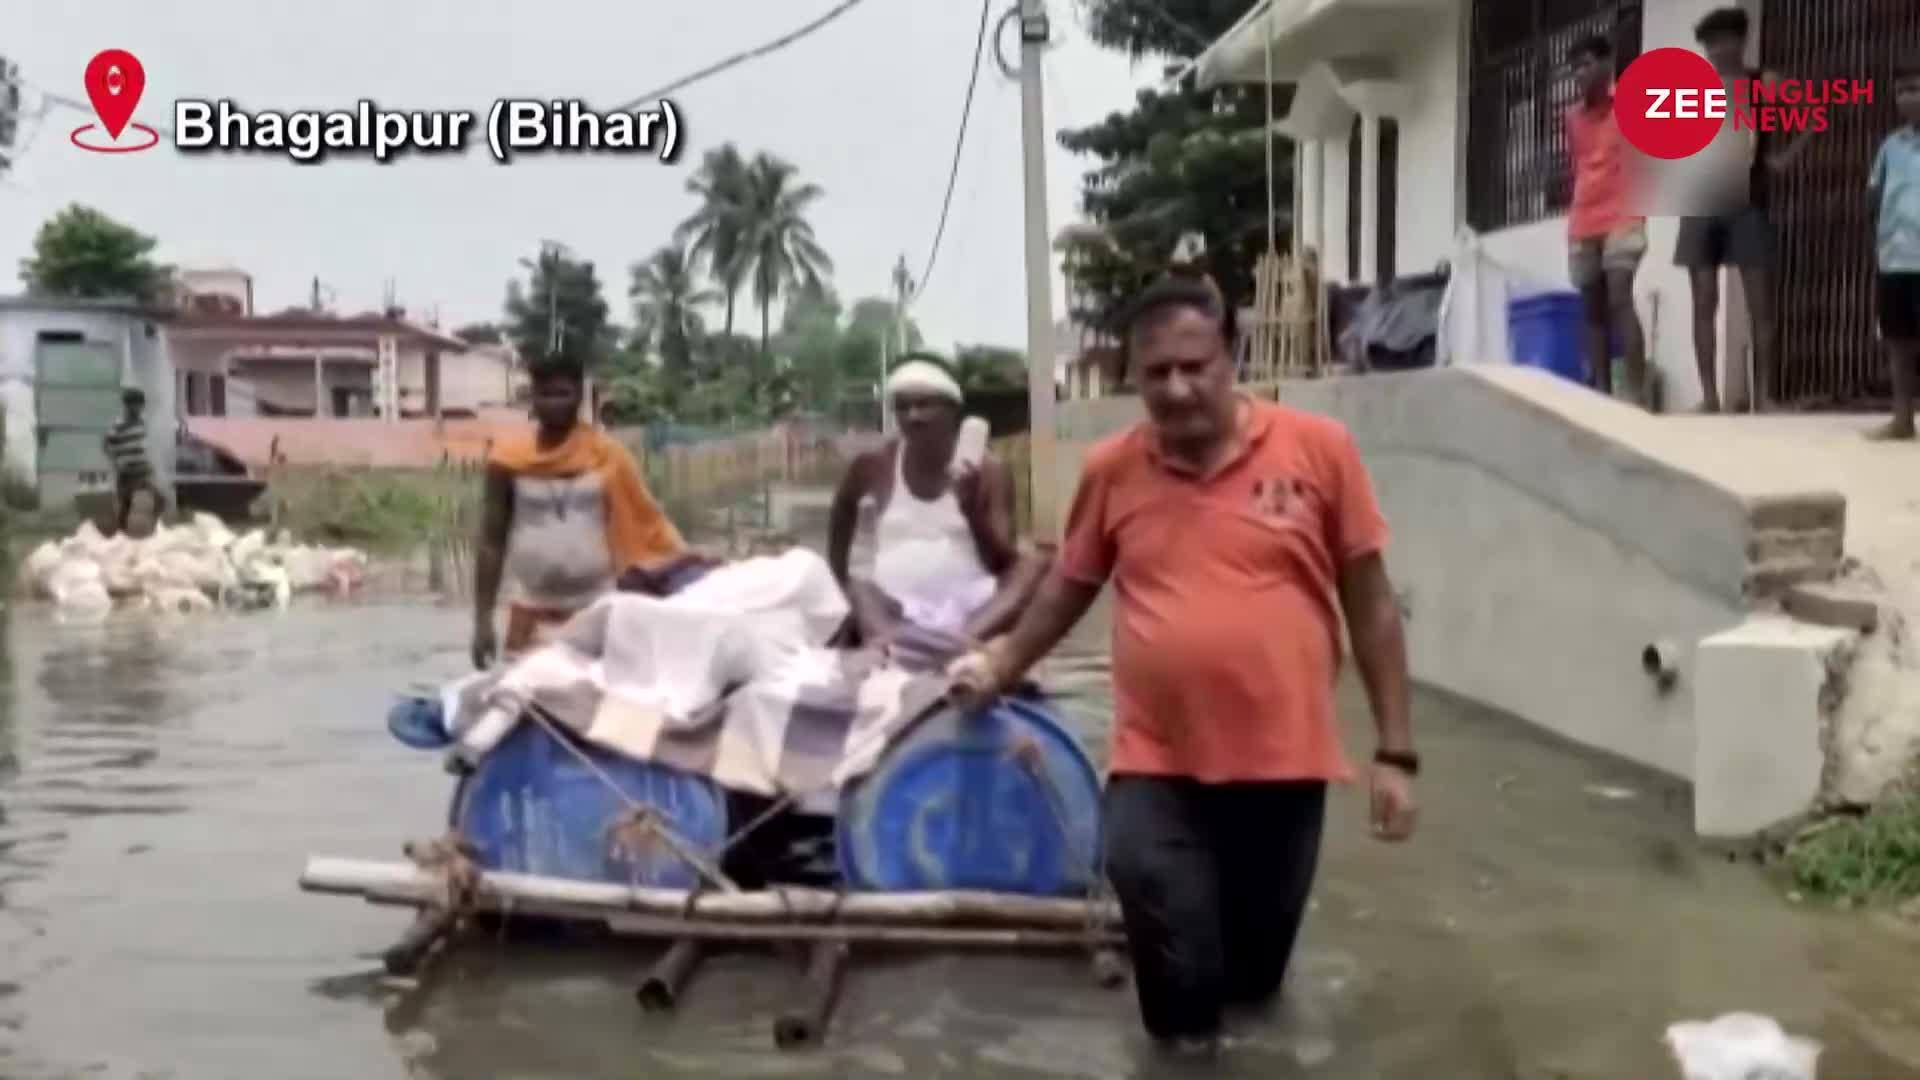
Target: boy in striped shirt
<point x="126" y="447"/>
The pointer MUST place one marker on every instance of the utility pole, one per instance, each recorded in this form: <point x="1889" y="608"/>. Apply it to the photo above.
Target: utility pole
<point x="902" y="285"/>
<point x="1034" y="31"/>
<point x="548" y="269"/>
<point x="9" y="111"/>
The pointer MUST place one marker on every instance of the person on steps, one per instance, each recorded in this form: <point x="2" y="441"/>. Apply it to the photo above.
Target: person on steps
<point x="945" y="554"/>
<point x="1605" y="235"/>
<point x="1739" y="232"/>
<point x="1895" y="207"/>
<point x="566" y="513"/>
<point x="1238" y="535"/>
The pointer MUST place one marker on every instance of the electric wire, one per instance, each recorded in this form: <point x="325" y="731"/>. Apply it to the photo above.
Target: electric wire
<point x="959" y="145"/>
<point x="742" y="57"/>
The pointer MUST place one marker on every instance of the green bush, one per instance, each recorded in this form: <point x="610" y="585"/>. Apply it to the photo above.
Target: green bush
<point x="1868" y="859"/>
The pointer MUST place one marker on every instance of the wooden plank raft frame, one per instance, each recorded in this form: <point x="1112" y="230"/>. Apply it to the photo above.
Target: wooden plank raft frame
<point x="766" y="915"/>
<point x="830" y="922"/>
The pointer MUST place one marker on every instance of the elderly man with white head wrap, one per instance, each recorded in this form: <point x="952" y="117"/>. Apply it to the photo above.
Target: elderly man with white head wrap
<point x="945" y="555"/>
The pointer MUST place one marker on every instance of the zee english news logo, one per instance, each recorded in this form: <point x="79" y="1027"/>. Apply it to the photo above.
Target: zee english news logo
<point x="1671" y="103"/>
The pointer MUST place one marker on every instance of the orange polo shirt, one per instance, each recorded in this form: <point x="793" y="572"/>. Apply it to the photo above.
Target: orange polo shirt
<point x="1226" y="630"/>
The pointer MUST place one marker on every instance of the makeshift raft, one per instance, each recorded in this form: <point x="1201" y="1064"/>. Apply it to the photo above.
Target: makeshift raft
<point x="974" y="831"/>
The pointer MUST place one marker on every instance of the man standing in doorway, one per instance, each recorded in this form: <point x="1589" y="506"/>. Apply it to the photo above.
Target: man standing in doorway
<point x="1605" y="238"/>
<point x="1229" y="527"/>
<point x="1738" y="233"/>
<point x="126" y="448"/>
<point x="1894" y="185"/>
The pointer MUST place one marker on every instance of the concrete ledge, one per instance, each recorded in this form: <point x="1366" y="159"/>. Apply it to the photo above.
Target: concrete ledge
<point x="1830" y="605"/>
<point x="1763" y="694"/>
<point x="1651" y="482"/>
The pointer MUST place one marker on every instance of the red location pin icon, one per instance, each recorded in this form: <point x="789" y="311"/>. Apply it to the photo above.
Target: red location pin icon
<point x="115" y="81"/>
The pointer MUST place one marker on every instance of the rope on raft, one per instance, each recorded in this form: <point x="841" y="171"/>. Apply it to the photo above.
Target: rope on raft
<point x="641" y="819"/>
<point x="452" y="860"/>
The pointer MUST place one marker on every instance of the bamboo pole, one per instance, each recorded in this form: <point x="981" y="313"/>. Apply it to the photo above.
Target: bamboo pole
<point x="430" y="927"/>
<point x="826" y="973"/>
<point x="984" y="939"/>
<point x="405" y="883"/>
<point x="660" y="990"/>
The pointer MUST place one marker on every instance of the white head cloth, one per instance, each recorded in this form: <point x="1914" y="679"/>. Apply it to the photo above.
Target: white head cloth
<point x="920" y="377"/>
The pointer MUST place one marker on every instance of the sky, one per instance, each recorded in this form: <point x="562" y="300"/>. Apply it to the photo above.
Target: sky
<point x="867" y="107"/>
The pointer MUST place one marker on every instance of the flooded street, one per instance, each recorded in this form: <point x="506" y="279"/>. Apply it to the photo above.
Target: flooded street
<point x="165" y="781"/>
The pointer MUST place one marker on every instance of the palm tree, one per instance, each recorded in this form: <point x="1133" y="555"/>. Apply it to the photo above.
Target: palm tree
<point x="778" y="252"/>
<point x="667" y="298"/>
<point x="714" y="231"/>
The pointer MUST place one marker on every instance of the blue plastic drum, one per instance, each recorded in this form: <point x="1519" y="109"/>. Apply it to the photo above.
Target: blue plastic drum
<point x="532" y="807"/>
<point x="1003" y="800"/>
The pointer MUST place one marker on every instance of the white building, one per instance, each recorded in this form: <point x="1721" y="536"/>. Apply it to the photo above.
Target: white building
<point x="63" y="363"/>
<point x="1416" y="119"/>
<point x="224" y="289"/>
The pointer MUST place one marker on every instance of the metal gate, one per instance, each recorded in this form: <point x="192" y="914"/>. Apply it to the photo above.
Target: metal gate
<point x="1519" y="86"/>
<point x="76" y="399"/>
<point x="1829" y="355"/>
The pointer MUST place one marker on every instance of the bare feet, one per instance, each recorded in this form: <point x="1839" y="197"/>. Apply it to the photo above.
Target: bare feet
<point x="1892" y="431"/>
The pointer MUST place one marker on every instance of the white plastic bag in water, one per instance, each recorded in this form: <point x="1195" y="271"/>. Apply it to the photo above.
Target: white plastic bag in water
<point x="1741" y="1046"/>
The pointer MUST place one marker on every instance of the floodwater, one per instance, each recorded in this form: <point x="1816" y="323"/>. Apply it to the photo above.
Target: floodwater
<point x="164" y="782"/>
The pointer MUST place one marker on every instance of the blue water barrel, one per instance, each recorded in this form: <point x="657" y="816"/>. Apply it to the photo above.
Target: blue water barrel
<point x="1546" y="333"/>
<point x="532" y="807"/>
<point x="1002" y="800"/>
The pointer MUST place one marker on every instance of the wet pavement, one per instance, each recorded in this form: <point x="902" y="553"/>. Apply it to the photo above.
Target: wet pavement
<point x="164" y="782"/>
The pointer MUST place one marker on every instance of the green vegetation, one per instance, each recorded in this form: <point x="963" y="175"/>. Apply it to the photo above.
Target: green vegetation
<point x="1180" y="161"/>
<point x="382" y="510"/>
<point x="81" y="252"/>
<point x="1874" y="858"/>
<point x="563" y="291"/>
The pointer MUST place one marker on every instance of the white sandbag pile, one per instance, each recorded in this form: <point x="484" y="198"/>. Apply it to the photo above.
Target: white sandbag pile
<point x="184" y="569"/>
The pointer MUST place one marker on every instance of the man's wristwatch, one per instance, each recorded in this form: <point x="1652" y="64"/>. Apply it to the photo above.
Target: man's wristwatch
<point x="1405" y="760"/>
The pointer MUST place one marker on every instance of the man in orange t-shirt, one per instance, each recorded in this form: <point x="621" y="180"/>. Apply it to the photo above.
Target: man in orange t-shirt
<point x="1605" y="238"/>
<point x="1237" y="534"/>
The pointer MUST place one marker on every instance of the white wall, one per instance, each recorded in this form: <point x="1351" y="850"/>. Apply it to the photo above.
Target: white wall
<point x="1430" y="130"/>
<point x="144" y="363"/>
<point x="230" y="283"/>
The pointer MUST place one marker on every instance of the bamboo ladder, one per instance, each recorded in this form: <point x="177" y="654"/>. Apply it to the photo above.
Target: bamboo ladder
<point x="1286" y="340"/>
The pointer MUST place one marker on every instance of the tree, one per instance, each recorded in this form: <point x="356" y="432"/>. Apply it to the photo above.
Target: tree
<point x="80" y="252"/>
<point x="779" y="254"/>
<point x="1182" y="161"/>
<point x="566" y="289"/>
<point x="667" y="298"/>
<point x="989" y="367"/>
<point x="484" y="333"/>
<point x="810" y="339"/>
<point x="716" y="231"/>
